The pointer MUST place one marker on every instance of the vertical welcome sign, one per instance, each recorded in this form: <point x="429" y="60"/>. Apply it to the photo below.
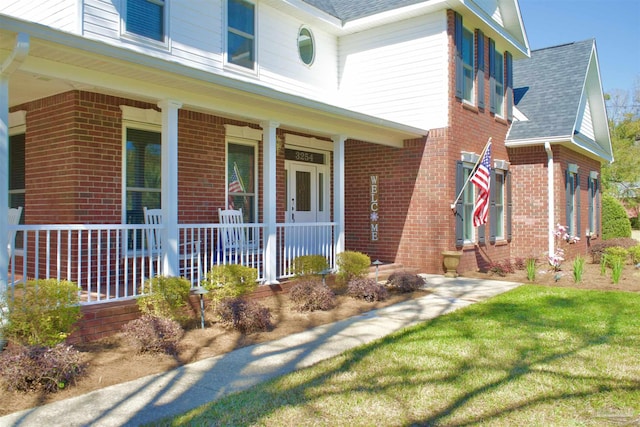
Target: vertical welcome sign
<point x="373" y="208"/>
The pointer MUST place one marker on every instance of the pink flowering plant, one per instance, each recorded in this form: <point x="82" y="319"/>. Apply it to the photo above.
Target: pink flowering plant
<point x="561" y="235"/>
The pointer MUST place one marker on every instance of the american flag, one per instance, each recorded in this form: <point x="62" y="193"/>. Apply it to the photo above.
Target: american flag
<point x="235" y="185"/>
<point x="481" y="179"/>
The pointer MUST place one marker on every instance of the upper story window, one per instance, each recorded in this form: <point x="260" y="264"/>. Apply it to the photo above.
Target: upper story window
<point x="146" y="18"/>
<point x="467" y="65"/>
<point x="241" y="33"/>
<point x="306" y="46"/>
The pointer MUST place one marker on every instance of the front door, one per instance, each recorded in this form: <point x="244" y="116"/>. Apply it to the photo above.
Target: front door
<point x="302" y="197"/>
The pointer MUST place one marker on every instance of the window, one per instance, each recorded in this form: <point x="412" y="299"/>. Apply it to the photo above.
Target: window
<point x="464" y="204"/>
<point x="572" y="183"/>
<point x="467" y="65"/>
<point x="16" y="171"/>
<point x="594" y="205"/>
<point x="241" y="181"/>
<point x="306" y="48"/>
<point x="145" y="18"/>
<point x="499" y="206"/>
<point x="241" y="33"/>
<point x="142" y="176"/>
<point x="498" y="107"/>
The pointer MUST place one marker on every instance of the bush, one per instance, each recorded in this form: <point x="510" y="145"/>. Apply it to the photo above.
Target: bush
<point x="597" y="249"/>
<point x="310" y="294"/>
<point x="165" y="297"/>
<point x="615" y="252"/>
<point x="367" y="289"/>
<point x="38" y="368"/>
<point x="244" y="315"/>
<point x="403" y="281"/>
<point x="634" y="253"/>
<point x="43" y="312"/>
<point x="309" y="265"/>
<point x="615" y="222"/>
<point x="351" y="264"/>
<point x="230" y="281"/>
<point x="520" y="263"/>
<point x="501" y="268"/>
<point x="152" y="334"/>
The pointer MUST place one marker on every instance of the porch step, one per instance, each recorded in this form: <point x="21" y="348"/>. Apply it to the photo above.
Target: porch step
<point x="385" y="270"/>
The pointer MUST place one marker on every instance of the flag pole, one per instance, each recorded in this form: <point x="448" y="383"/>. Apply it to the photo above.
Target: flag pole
<point x="484" y="150"/>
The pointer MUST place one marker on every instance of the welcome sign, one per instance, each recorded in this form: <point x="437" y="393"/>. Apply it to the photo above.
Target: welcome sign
<point x="373" y="208"/>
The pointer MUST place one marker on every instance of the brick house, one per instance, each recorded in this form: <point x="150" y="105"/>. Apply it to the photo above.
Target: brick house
<point x="344" y="125"/>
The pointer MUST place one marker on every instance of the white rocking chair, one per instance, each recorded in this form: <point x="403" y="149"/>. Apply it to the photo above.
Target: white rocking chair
<point x="189" y="252"/>
<point x="14" y="219"/>
<point x="238" y="242"/>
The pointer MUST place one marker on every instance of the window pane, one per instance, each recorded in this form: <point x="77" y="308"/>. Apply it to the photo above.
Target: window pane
<point x="305" y="46"/>
<point x="240" y="34"/>
<point x="321" y="192"/>
<point x="240" y="179"/>
<point x="143" y="173"/>
<point x="303" y="191"/>
<point x="499" y="196"/>
<point x="240" y="50"/>
<point x="146" y="18"/>
<point x="467" y="205"/>
<point x="241" y="16"/>
<point x="468" y="65"/>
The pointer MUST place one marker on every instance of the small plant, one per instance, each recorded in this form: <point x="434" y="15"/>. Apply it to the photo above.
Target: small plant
<point x="634" y="253"/>
<point x="603" y="265"/>
<point x="38" y="368"/>
<point x="531" y="269"/>
<point x="616" y="252"/>
<point x="230" y="281"/>
<point x="404" y="282"/>
<point x="309" y="265"/>
<point x="520" y="263"/>
<point x="501" y="268"/>
<point x="367" y="289"/>
<point x="244" y="315"/>
<point x="310" y="294"/>
<point x="617" y="265"/>
<point x="151" y="334"/>
<point x="165" y="297"/>
<point x="351" y="264"/>
<point x="578" y="268"/>
<point x="43" y="312"/>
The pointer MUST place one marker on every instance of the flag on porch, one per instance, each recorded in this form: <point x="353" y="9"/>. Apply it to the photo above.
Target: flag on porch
<point x="235" y="184"/>
<point x="481" y="179"/>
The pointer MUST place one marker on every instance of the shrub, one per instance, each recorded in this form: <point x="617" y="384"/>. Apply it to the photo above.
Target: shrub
<point x="351" y="264"/>
<point x="230" y="281"/>
<point x="165" y="297"/>
<point x="520" y="263"/>
<point x="615" y="222"/>
<point x="634" y="253"/>
<point x="310" y="294"/>
<point x="38" y="368"/>
<point x="152" y="334"/>
<point x="367" y="289"/>
<point x="501" y="268"/>
<point x="244" y="315"/>
<point x="597" y="249"/>
<point x="43" y="312"/>
<point x="309" y="265"/>
<point x="403" y="281"/>
<point x="615" y="252"/>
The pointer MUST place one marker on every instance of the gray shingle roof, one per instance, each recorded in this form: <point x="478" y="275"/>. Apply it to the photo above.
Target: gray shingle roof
<point x="354" y="9"/>
<point x="547" y="90"/>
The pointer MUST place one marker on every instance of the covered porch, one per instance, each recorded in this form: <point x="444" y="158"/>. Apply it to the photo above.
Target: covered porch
<point x="75" y="116"/>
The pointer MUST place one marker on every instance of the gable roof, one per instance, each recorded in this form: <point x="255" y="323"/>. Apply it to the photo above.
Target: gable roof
<point x="356" y="9"/>
<point x="558" y="97"/>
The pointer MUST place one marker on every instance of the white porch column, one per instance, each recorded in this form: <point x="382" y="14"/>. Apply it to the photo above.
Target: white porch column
<point x="338" y="191"/>
<point x="11" y="64"/>
<point x="269" y="201"/>
<point x="169" y="151"/>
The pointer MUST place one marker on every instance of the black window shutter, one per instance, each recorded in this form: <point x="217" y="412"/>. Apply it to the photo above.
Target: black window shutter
<point x="568" y="201"/>
<point x="492" y="76"/>
<point x="509" y="205"/>
<point x="459" y="205"/>
<point x="578" y="229"/>
<point x="509" y="78"/>
<point x="480" y="74"/>
<point x="492" y="208"/>
<point x="459" y="68"/>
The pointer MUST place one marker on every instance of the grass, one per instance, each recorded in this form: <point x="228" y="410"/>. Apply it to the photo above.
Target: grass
<point x="533" y="356"/>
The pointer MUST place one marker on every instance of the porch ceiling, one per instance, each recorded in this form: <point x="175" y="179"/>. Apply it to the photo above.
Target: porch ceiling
<point x="59" y="62"/>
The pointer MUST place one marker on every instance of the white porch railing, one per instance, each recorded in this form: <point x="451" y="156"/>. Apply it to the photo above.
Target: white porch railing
<point x="110" y="262"/>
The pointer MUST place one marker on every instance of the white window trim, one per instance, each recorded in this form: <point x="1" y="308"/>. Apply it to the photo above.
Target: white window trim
<point x="142" y="40"/>
<point x="467" y="165"/>
<point x="225" y="31"/>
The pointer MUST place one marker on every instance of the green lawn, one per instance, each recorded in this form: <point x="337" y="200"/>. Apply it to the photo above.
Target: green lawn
<point x="535" y="356"/>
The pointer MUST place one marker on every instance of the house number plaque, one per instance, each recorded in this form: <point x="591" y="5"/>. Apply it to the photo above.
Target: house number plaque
<point x="304" y="156"/>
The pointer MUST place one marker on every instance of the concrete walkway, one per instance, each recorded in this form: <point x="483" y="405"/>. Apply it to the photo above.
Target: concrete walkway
<point x="171" y="393"/>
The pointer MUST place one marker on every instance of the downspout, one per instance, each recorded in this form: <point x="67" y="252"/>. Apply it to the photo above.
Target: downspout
<point x="551" y="197"/>
<point x="8" y="67"/>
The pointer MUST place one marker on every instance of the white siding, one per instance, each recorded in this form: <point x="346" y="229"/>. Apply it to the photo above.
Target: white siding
<point x="492" y="9"/>
<point x="60" y="14"/>
<point x="585" y="124"/>
<point x="398" y="72"/>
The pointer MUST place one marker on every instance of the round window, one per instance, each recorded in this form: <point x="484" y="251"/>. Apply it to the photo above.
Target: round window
<point x="306" y="48"/>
